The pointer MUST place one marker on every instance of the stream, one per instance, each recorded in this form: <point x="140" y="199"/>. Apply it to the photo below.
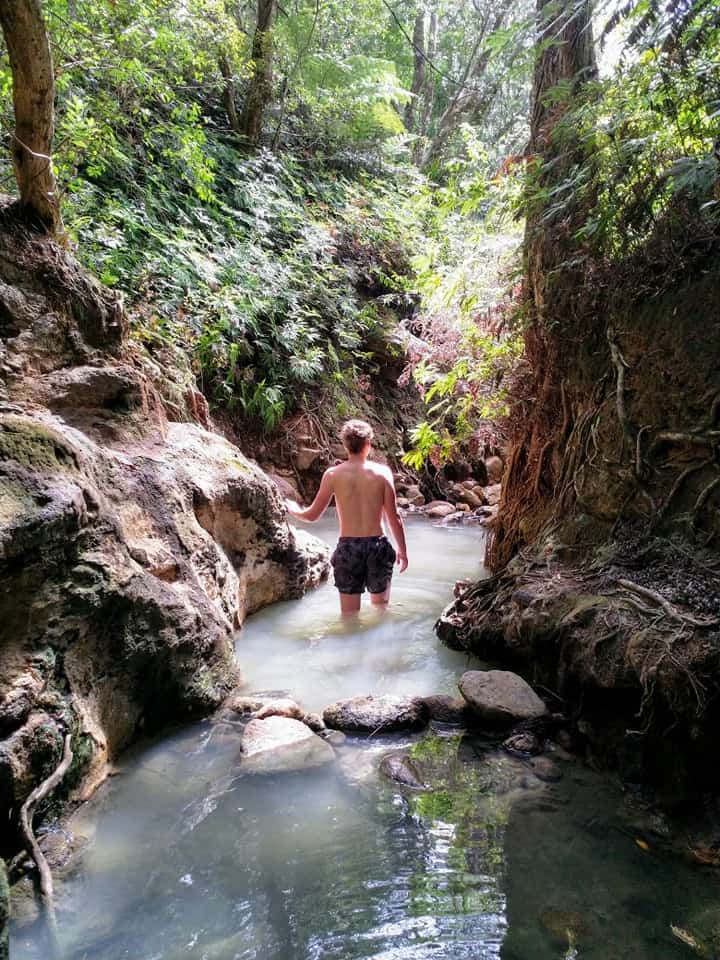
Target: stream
<point x="189" y="858"/>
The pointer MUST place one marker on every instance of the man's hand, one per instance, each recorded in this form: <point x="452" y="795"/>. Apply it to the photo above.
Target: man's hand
<point x="402" y="562"/>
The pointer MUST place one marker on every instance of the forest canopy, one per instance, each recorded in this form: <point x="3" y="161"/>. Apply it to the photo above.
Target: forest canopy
<point x="271" y="185"/>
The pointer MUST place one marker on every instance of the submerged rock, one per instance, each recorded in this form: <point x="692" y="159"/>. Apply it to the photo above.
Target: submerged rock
<point x="279" y="744"/>
<point x="403" y="770"/>
<point x="565" y="928"/>
<point x="4" y="911"/>
<point x="376" y="714"/>
<point x="524" y="744"/>
<point x="546" y="769"/>
<point x="499" y="696"/>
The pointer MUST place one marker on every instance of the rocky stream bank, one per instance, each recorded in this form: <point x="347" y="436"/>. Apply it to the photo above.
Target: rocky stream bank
<point x="133" y="538"/>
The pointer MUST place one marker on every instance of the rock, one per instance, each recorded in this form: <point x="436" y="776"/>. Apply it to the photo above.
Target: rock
<point x="280" y="707"/>
<point x="286" y="489"/>
<point x="336" y="737"/>
<point x="413" y="496"/>
<point x="437" y="509"/>
<point x="456" y="517"/>
<point x="524" y="744"/>
<point x="472" y="499"/>
<point x="462" y="508"/>
<point x="494" y="467"/>
<point x="447" y="709"/>
<point x="546" y="769"/>
<point x="314" y="721"/>
<point x="499" y="696"/>
<point x="403" y="769"/>
<point x="565" y="928"/>
<point x="133" y="539"/>
<point x="376" y="714"/>
<point x="492" y="494"/>
<point x="242" y="705"/>
<point x="403" y="503"/>
<point x="279" y="744"/>
<point x="4" y="912"/>
<point x="305" y="457"/>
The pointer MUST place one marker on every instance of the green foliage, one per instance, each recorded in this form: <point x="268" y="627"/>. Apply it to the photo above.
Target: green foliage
<point x="647" y="135"/>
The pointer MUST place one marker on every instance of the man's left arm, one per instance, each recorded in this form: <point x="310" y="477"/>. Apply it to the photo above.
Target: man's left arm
<point x="319" y="505"/>
<point x="395" y="523"/>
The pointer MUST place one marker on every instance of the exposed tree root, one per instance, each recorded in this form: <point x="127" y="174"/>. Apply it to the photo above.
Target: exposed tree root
<point x="669" y="609"/>
<point x="33" y="848"/>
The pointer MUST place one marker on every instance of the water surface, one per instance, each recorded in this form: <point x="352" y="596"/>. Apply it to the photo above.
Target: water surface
<point x="192" y="859"/>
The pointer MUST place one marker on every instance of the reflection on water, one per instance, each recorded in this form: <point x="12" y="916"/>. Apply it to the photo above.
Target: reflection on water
<point x="191" y="859"/>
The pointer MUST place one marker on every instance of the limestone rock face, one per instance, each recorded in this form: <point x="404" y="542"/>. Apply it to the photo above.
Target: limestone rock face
<point x="133" y="539"/>
<point x="376" y="714"/>
<point x="278" y="744"/>
<point x="500" y="696"/>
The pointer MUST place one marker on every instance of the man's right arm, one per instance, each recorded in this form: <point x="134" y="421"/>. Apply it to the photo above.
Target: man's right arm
<point x="319" y="505"/>
<point x="395" y="523"/>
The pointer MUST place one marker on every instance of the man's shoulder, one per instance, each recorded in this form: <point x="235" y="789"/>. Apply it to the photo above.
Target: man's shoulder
<point x="381" y="470"/>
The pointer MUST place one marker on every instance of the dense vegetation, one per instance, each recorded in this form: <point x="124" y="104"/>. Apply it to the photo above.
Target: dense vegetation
<point x="272" y="188"/>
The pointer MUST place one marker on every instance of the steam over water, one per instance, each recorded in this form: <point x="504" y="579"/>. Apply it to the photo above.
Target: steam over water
<point x="192" y="859"/>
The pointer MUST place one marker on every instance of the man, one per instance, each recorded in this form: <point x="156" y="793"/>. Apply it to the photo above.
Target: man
<point x="363" y="492"/>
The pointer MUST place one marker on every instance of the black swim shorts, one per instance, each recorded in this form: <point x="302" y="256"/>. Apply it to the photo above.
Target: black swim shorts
<point x="361" y="562"/>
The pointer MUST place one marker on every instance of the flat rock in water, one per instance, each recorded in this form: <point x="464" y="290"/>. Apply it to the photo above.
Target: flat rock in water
<point x="524" y="744"/>
<point x="500" y="696"/>
<point x="282" y="744"/>
<point x="376" y="714"/>
<point x="403" y="770"/>
<point x="437" y="509"/>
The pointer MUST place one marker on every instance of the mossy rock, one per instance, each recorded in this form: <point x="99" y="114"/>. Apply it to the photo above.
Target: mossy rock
<point x="34" y="446"/>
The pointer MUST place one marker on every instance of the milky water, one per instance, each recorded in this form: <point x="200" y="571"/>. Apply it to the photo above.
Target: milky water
<point x="190" y="858"/>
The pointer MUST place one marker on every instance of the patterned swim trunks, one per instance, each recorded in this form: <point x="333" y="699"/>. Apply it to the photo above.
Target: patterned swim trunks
<point x="361" y="562"/>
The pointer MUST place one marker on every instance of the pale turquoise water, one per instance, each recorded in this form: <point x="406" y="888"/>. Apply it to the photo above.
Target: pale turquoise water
<point x="193" y="860"/>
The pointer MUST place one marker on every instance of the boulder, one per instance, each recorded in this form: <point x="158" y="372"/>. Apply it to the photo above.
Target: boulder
<point x="403" y="770"/>
<point x="403" y="503"/>
<point x="472" y="499"/>
<point x="281" y="744"/>
<point x="494" y="467"/>
<point x="492" y="494"/>
<point x="446" y="709"/>
<point x="134" y="539"/>
<point x="499" y="696"/>
<point x="413" y="496"/>
<point x="376" y="714"/>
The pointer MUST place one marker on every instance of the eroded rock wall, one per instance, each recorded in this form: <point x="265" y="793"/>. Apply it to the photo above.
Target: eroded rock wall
<point x="133" y="539"/>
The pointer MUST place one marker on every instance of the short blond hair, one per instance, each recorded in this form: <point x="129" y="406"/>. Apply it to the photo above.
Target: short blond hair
<point x="356" y="435"/>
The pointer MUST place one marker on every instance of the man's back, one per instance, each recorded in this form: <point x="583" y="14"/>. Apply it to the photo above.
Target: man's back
<point x="360" y="490"/>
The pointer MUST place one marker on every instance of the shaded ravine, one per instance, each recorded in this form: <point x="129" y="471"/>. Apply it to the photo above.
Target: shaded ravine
<point x="191" y="859"/>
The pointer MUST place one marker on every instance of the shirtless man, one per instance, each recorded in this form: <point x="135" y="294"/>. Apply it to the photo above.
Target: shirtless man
<point x="363" y="492"/>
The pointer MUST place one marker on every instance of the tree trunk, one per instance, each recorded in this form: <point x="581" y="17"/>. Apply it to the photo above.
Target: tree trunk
<point x="428" y="91"/>
<point x="472" y="94"/>
<point x="552" y="281"/>
<point x="261" y="80"/>
<point x="229" y="92"/>
<point x="418" y="79"/>
<point x="33" y="99"/>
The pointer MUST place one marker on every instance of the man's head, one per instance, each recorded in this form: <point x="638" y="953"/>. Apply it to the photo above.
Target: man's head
<point x="356" y="435"/>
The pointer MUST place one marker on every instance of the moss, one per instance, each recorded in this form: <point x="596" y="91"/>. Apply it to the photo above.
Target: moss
<point x="14" y="500"/>
<point x="32" y="445"/>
